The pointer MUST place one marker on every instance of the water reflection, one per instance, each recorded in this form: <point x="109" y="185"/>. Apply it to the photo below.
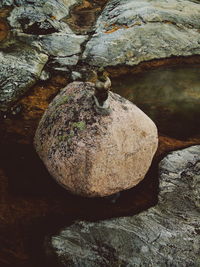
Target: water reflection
<point x="170" y="96"/>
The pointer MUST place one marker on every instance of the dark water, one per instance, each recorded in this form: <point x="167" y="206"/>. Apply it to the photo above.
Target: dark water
<point x="29" y="181"/>
<point x="169" y="96"/>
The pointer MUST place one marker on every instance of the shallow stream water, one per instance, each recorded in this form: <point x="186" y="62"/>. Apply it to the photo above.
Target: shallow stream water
<point x="169" y="96"/>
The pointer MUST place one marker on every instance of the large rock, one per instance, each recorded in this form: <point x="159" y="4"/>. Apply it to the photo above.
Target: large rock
<point x="132" y="31"/>
<point x="91" y="154"/>
<point x="40" y="25"/>
<point x="19" y="70"/>
<point x="165" y="235"/>
<point x="36" y="34"/>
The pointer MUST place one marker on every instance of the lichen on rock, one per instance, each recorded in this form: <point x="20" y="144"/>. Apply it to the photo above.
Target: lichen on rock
<point x="93" y="154"/>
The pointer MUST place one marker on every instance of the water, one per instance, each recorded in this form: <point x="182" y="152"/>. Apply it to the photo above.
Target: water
<point x="34" y="206"/>
<point x="169" y="96"/>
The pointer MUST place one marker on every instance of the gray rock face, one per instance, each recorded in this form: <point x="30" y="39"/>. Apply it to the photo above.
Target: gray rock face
<point x="129" y="32"/>
<point x="18" y="71"/>
<point x="41" y="17"/>
<point x="40" y="25"/>
<point x="165" y="235"/>
<point x="37" y="35"/>
<point x="6" y="3"/>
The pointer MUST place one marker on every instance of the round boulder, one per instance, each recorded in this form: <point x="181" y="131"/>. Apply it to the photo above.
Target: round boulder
<point x="90" y="153"/>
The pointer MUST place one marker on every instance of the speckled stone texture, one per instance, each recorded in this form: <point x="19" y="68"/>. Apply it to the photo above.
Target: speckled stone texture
<point x="132" y="31"/>
<point x="92" y="154"/>
<point x="165" y="235"/>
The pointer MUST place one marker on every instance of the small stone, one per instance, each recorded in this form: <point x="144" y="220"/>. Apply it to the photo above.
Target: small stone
<point x="91" y="154"/>
<point x="76" y="75"/>
<point x="44" y="75"/>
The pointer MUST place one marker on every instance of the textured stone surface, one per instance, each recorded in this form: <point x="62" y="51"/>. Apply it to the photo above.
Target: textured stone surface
<point x="37" y="34"/>
<point x="91" y="154"/>
<point x="40" y="25"/>
<point x="129" y="32"/>
<point x="18" y="71"/>
<point x="165" y="235"/>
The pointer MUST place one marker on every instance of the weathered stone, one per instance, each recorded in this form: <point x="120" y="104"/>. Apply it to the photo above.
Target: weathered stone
<point x="6" y="3"/>
<point x="91" y="154"/>
<point x="76" y="76"/>
<point x="129" y="32"/>
<point x="36" y="33"/>
<point x="63" y="64"/>
<point x="165" y="235"/>
<point x="56" y="44"/>
<point x="58" y="8"/>
<point x="18" y="71"/>
<point x="33" y="19"/>
<point x="62" y="45"/>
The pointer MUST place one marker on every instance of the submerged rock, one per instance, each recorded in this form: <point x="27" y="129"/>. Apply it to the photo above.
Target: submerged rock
<point x="165" y="235"/>
<point x="91" y="154"/>
<point x="129" y="32"/>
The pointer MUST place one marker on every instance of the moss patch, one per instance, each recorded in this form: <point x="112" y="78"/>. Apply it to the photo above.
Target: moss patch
<point x="81" y="125"/>
<point x="62" y="101"/>
<point x="75" y="128"/>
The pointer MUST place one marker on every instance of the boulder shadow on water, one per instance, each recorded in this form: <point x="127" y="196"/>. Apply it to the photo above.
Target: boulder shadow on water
<point x="28" y="177"/>
<point x="29" y="181"/>
<point x="26" y="173"/>
<point x="170" y="96"/>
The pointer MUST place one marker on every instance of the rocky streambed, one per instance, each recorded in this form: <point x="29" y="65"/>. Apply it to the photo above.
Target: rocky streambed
<point x="149" y="49"/>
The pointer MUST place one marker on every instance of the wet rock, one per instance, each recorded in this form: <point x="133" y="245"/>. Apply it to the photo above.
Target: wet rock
<point x="64" y="49"/>
<point x="44" y="76"/>
<point x="63" y="64"/>
<point x="91" y="154"/>
<point x="58" y="8"/>
<point x="36" y="20"/>
<point x="39" y="25"/>
<point x="165" y="235"/>
<point x="76" y="76"/>
<point x="37" y="34"/>
<point x="18" y="71"/>
<point x="62" y="45"/>
<point x="5" y="3"/>
<point x="129" y="32"/>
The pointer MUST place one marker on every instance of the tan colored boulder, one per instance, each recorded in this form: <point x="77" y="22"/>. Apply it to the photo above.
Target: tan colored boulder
<point x="92" y="154"/>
